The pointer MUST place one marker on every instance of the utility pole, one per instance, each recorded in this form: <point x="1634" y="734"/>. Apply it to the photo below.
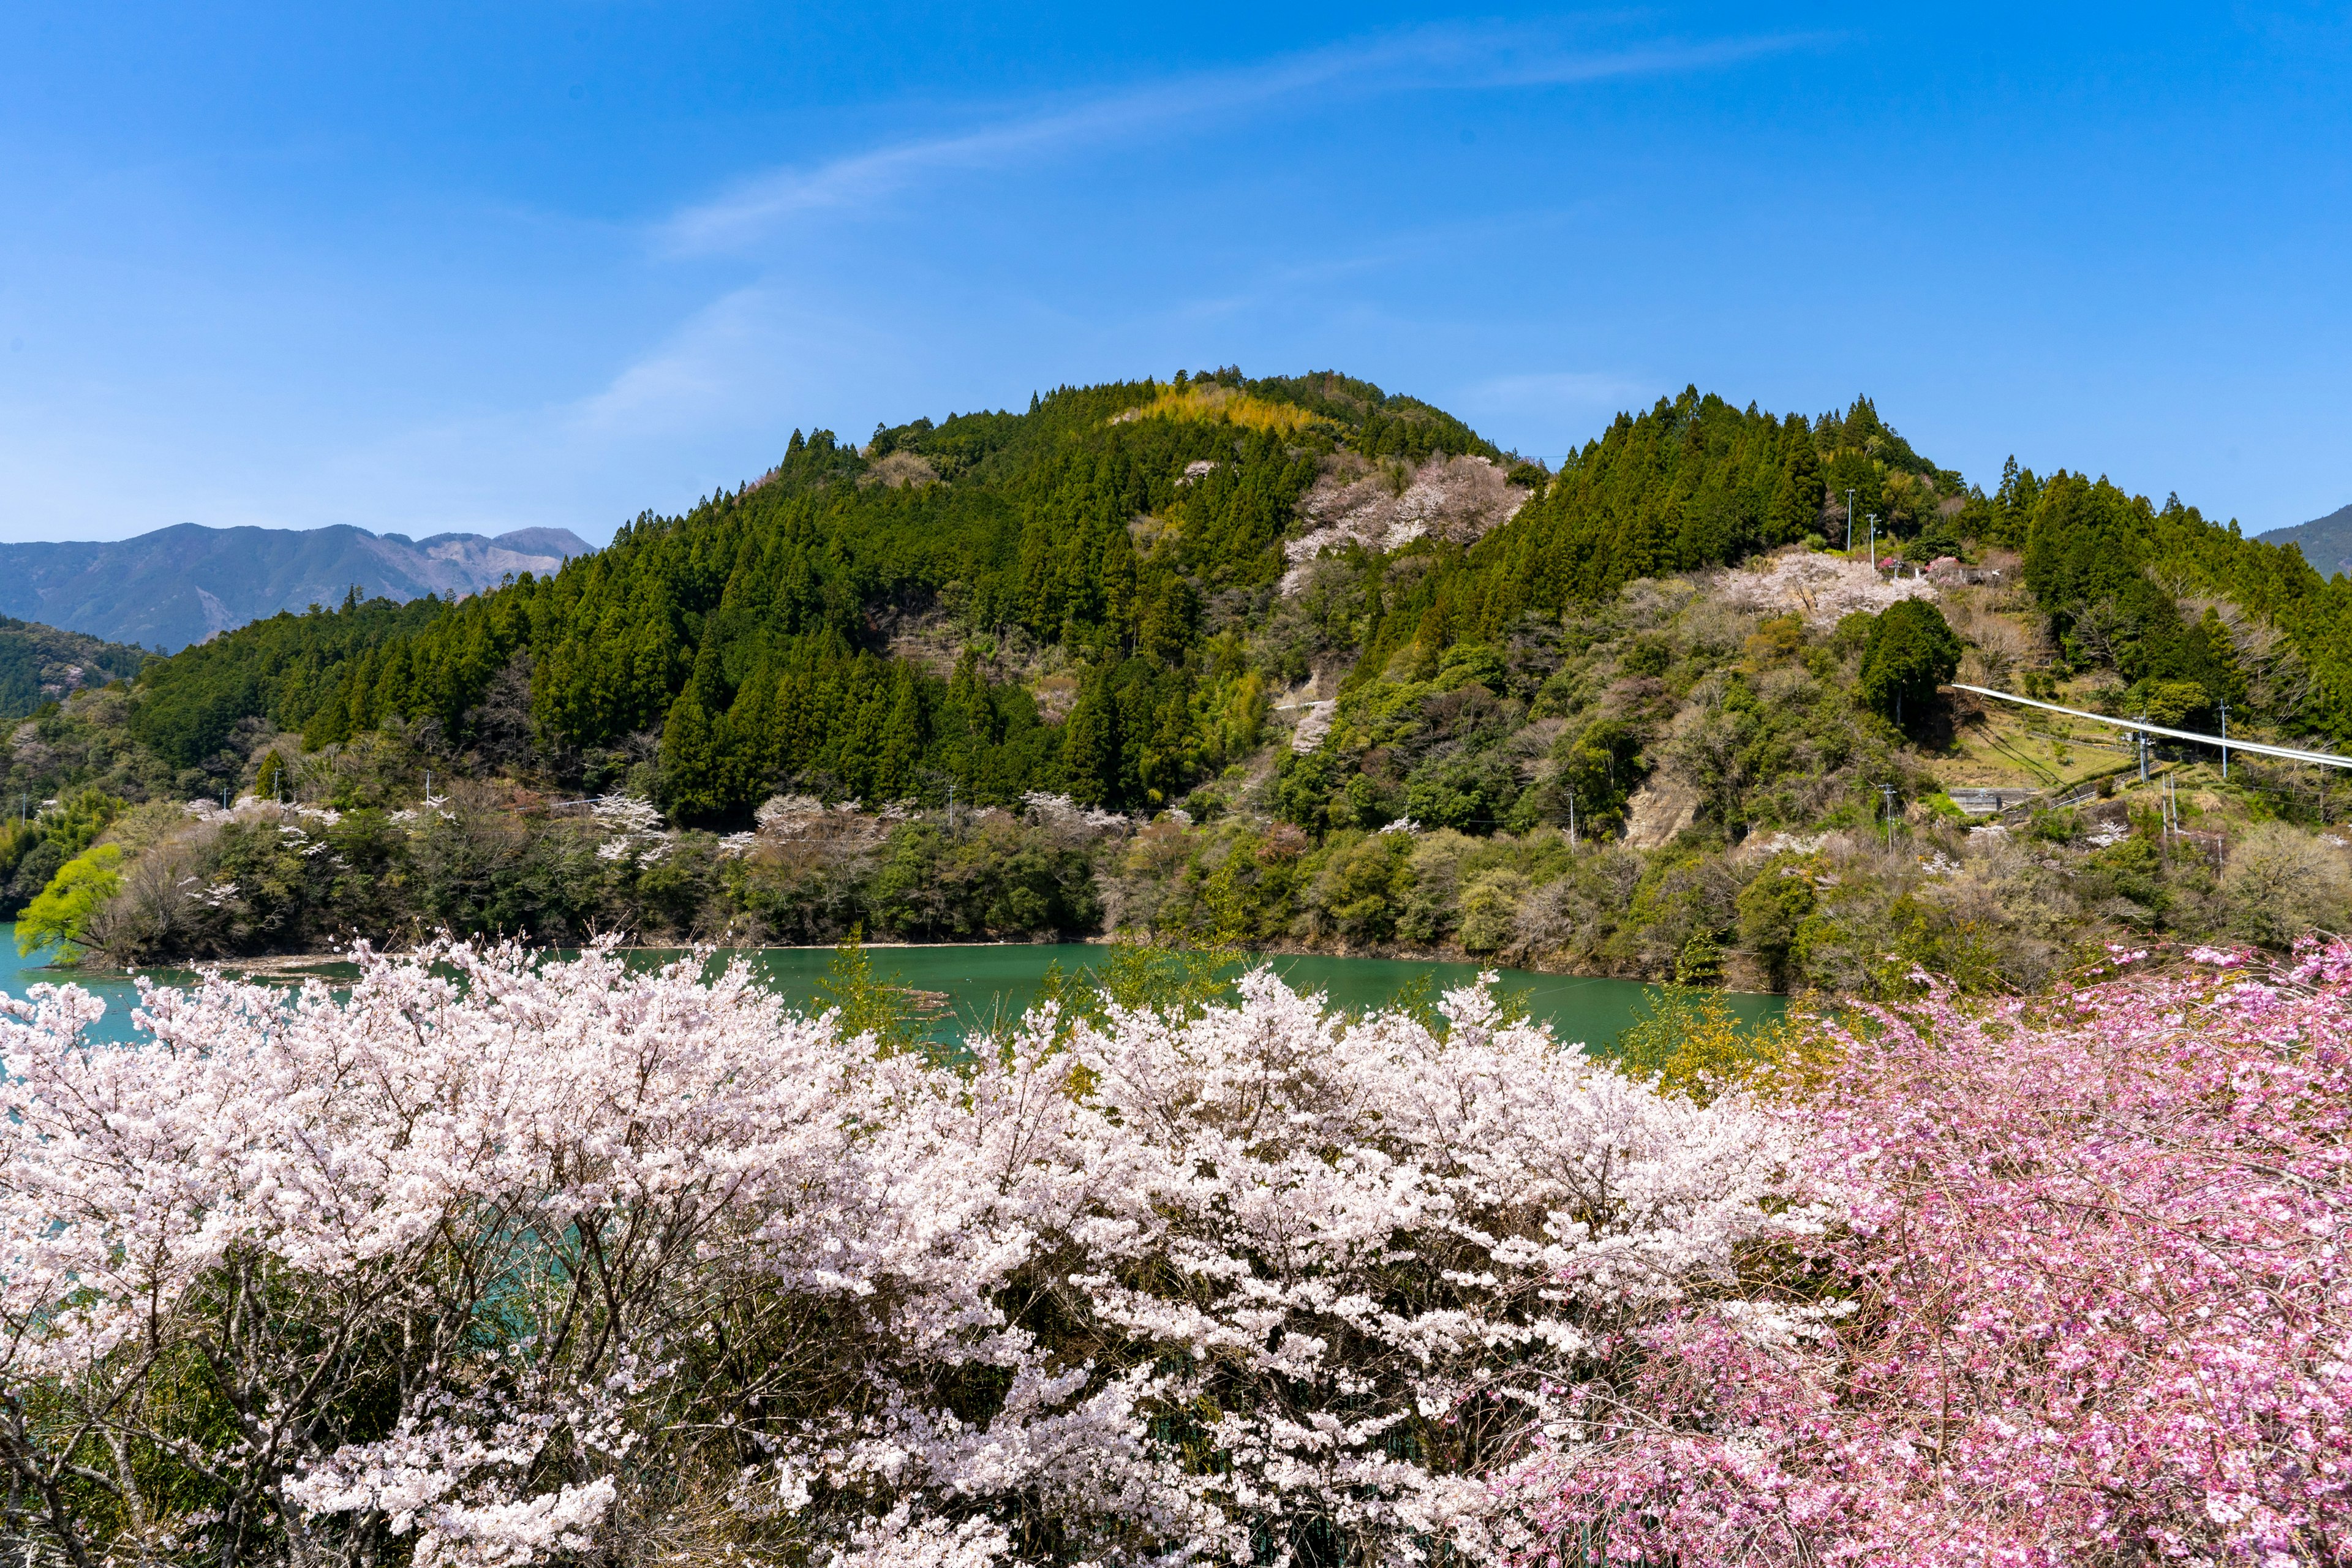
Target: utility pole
<point x="1571" y="816"/>
<point x="2225" y="743"/>
<point x="2143" y="750"/>
<point x="1888" y="791"/>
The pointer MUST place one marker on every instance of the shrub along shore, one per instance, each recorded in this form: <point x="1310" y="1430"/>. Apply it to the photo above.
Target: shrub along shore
<point x="1855" y="912"/>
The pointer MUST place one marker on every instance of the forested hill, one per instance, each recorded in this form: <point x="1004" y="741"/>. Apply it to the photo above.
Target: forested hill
<point x="42" y="664"/>
<point x="1078" y="582"/>
<point x="1103" y="595"/>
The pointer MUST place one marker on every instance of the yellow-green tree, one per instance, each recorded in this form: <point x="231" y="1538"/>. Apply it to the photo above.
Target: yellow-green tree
<point x="61" y="915"/>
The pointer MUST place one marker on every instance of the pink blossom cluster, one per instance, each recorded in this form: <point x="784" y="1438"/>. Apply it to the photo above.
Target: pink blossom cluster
<point x="498" y="1261"/>
<point x="2090" y="1303"/>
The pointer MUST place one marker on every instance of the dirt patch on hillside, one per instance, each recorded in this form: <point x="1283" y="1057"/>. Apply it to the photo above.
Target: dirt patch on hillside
<point x="900" y="470"/>
<point x="1658" y="811"/>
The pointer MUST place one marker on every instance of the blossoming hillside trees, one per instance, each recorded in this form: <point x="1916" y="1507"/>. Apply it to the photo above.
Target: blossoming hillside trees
<point x="551" y="1259"/>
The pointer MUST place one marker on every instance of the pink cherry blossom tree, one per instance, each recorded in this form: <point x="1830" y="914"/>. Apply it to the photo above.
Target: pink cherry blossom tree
<point x="2091" y="1304"/>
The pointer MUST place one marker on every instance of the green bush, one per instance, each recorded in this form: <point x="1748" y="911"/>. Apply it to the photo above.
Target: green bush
<point x="1490" y="910"/>
<point x="1910" y="652"/>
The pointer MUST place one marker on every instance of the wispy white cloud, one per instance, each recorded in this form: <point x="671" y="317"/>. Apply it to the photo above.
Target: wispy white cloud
<point x="692" y="374"/>
<point x="1565" y="388"/>
<point x="706" y="404"/>
<point x="1425" y="59"/>
<point x="723" y="375"/>
<point x="1548" y="403"/>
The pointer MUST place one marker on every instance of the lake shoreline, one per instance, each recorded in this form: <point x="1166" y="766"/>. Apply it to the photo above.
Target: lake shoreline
<point x="290" y="965"/>
<point x="960" y="988"/>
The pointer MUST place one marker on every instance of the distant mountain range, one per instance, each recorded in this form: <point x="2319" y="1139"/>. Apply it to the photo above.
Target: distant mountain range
<point x="183" y="584"/>
<point x="2325" y="541"/>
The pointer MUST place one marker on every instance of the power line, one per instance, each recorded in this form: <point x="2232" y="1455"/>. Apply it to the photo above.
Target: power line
<point x="2284" y="753"/>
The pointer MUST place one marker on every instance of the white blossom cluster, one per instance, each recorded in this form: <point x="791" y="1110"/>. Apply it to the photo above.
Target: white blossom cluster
<point x="249" y="808"/>
<point x="636" y="826"/>
<point x="627" y="813"/>
<point x="790" y="816"/>
<point x="2105" y="835"/>
<point x="798" y="819"/>
<point x="501" y="1260"/>
<point x="1460" y="499"/>
<point x="215" y="895"/>
<point x="1059" y="810"/>
<point x="784" y="817"/>
<point x="292" y="837"/>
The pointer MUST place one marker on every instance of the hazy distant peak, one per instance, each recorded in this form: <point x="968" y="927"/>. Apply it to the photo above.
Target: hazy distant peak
<point x="544" y="541"/>
<point x="2325" y="541"/>
<point x="180" y="585"/>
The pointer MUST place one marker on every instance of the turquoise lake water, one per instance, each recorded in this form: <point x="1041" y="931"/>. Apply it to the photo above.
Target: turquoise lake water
<point x="984" y="982"/>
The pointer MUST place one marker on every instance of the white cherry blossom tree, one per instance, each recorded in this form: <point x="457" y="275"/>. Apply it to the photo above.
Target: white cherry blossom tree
<point x="499" y="1259"/>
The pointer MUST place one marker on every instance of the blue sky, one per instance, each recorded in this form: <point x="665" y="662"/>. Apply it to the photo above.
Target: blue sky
<point x="483" y="268"/>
